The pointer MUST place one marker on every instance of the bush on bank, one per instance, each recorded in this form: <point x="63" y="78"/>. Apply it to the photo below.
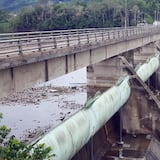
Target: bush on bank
<point x="12" y="149"/>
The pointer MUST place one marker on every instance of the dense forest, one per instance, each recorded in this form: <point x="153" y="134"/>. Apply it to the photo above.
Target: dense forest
<point x="49" y="15"/>
<point x="13" y="5"/>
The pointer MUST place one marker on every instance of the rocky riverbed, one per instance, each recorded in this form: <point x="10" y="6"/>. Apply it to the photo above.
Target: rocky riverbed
<point x="34" y="111"/>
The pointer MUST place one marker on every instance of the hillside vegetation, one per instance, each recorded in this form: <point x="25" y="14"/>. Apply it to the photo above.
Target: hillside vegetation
<point x="13" y="5"/>
<point x="44" y="15"/>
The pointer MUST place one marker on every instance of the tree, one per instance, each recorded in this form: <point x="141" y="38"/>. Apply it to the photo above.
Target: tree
<point x="13" y="149"/>
<point x="45" y="15"/>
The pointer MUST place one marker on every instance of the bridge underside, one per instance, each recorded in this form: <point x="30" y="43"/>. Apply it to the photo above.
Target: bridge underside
<point x="105" y="145"/>
<point x="130" y="134"/>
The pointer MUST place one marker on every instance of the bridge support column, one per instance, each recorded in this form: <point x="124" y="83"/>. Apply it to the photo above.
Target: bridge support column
<point x="103" y="75"/>
<point x="140" y="114"/>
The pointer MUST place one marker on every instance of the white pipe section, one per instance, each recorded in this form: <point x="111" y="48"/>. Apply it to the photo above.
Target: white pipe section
<point x="147" y="69"/>
<point x="70" y="136"/>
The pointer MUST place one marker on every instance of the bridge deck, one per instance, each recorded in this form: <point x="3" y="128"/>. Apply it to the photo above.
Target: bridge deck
<point x="21" y="48"/>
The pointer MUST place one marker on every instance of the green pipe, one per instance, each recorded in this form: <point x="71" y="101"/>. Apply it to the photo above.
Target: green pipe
<point x="70" y="136"/>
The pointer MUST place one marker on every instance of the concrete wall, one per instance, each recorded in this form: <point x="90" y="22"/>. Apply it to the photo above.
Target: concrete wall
<point x="18" y="78"/>
<point x="28" y="75"/>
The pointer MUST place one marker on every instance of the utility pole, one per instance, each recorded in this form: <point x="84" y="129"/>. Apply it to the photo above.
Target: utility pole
<point x="155" y="15"/>
<point x="125" y="22"/>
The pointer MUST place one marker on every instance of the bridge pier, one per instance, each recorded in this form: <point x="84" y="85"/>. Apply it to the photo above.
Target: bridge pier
<point x="6" y="82"/>
<point x="139" y="115"/>
<point x="103" y="75"/>
<point x="18" y="78"/>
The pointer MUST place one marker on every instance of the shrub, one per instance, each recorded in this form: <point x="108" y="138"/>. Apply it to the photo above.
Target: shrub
<point x="12" y="149"/>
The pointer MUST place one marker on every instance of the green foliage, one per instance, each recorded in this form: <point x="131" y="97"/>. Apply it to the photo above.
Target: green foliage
<point x="15" y="4"/>
<point x="44" y="15"/>
<point x="5" y="23"/>
<point x="149" y="19"/>
<point x="13" y="149"/>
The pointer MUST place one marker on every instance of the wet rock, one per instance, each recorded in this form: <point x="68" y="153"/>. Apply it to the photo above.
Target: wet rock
<point x="33" y="95"/>
<point x="62" y="118"/>
<point x="44" y="94"/>
<point x="52" y="90"/>
<point x="74" y="87"/>
<point x="56" y="94"/>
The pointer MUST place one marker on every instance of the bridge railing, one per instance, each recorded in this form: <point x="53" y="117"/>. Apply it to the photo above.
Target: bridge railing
<point x="28" y="42"/>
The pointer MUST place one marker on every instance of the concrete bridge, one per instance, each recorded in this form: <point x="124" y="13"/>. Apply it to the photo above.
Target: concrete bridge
<point x="30" y="58"/>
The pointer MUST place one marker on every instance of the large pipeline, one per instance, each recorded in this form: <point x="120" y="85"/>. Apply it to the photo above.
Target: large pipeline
<point x="70" y="136"/>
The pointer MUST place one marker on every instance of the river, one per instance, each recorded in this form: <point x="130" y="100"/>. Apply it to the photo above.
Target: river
<point x="37" y="110"/>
